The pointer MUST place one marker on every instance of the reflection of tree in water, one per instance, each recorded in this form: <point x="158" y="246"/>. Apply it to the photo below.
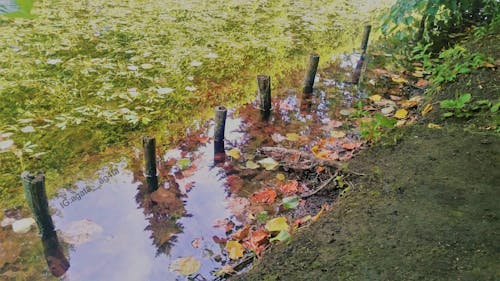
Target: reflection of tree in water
<point x="163" y="207"/>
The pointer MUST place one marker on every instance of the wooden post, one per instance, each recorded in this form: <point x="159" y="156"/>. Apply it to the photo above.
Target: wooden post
<point x="366" y="36"/>
<point x="364" y="45"/>
<point x="34" y="191"/>
<point x="312" y="68"/>
<point x="220" y="127"/>
<point x="54" y="255"/>
<point x="149" y="145"/>
<point x="264" y="83"/>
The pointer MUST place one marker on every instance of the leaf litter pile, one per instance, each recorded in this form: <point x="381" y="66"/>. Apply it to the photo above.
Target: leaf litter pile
<point x="281" y="174"/>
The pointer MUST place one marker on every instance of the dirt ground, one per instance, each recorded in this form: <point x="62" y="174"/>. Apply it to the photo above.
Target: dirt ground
<point x="426" y="209"/>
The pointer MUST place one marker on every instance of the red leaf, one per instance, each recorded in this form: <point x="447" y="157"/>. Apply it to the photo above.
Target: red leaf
<point x="242" y="233"/>
<point x="266" y="195"/>
<point x="289" y="188"/>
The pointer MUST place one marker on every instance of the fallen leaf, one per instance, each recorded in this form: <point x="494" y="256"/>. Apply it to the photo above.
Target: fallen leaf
<point x="184" y="163"/>
<point x="235" y="183"/>
<point x="277" y="137"/>
<point x="242" y="233"/>
<point x="277" y="224"/>
<point x="259" y="237"/>
<point x="237" y="205"/>
<point x="268" y="163"/>
<point x="235" y="153"/>
<point x="280" y="176"/>
<point x="196" y="243"/>
<point x="282" y="236"/>
<point x="266" y="195"/>
<point x="185" y="266"/>
<point x="433" y="126"/>
<point x="387" y="110"/>
<point x="337" y="134"/>
<point x="395" y="98"/>
<point x="422" y="83"/>
<point x="292" y="136"/>
<point x="418" y="74"/>
<point x="291" y="202"/>
<point x="398" y="79"/>
<point x="219" y="240"/>
<point x="335" y="124"/>
<point x="427" y="109"/>
<point x="345" y="112"/>
<point x="234" y="249"/>
<point x="251" y="165"/>
<point x="408" y="103"/>
<point x="301" y="221"/>
<point x="289" y="188"/>
<point x="401" y="114"/>
<point x="375" y="98"/>
<point x="350" y="145"/>
<point x="225" y="270"/>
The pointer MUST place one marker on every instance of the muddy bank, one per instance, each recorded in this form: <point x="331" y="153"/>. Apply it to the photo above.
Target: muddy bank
<point x="427" y="209"/>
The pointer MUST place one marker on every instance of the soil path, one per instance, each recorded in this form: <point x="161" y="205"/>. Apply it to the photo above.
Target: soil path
<point x="427" y="209"/>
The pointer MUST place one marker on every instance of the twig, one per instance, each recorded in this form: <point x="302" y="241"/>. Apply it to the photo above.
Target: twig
<point x="321" y="186"/>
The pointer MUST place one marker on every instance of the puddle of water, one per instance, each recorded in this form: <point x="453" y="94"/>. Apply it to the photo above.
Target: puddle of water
<point x="199" y="204"/>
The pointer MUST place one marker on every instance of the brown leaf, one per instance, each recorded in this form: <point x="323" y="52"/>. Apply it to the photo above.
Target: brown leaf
<point x="266" y="195"/>
<point x="242" y="233"/>
<point x="219" y="240"/>
<point x="235" y="183"/>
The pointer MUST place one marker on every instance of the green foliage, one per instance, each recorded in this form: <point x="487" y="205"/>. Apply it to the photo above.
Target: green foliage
<point x="435" y="17"/>
<point x="462" y="106"/>
<point x="377" y="127"/>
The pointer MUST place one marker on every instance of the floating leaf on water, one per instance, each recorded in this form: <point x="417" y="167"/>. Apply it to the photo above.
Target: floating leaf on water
<point x="185" y="266"/>
<point x="234" y="249"/>
<point x="268" y="163"/>
<point x="282" y="236"/>
<point x="291" y="202"/>
<point x="184" y="163"/>
<point x="235" y="153"/>
<point x="375" y="98"/>
<point x="401" y="113"/>
<point x="277" y="224"/>
<point x="292" y="136"/>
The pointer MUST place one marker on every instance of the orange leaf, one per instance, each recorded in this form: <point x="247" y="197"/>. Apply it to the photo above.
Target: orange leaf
<point x="422" y="83"/>
<point x="259" y="237"/>
<point x="349" y="145"/>
<point x="266" y="195"/>
<point x="289" y="187"/>
<point x="242" y="233"/>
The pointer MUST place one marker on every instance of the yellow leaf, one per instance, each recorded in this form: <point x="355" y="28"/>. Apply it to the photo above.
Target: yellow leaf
<point x="235" y="153"/>
<point x="277" y="224"/>
<point x="418" y="74"/>
<point x="269" y="163"/>
<point x="292" y="136"/>
<point x="489" y="65"/>
<point x="234" y="249"/>
<point x="375" y="98"/>
<point x="399" y="80"/>
<point x="280" y="176"/>
<point x="337" y="134"/>
<point x="318" y="215"/>
<point x="225" y="270"/>
<point x="401" y="113"/>
<point x="185" y="266"/>
<point x="251" y="165"/>
<point x="433" y="126"/>
<point x="427" y="109"/>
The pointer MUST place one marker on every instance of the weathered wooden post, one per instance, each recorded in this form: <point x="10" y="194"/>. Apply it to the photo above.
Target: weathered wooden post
<point x="264" y="83"/>
<point x="149" y="145"/>
<point x="34" y="191"/>
<point x="364" y="46"/>
<point x="54" y="255"/>
<point x="220" y="127"/>
<point x="312" y="68"/>
<point x="366" y="36"/>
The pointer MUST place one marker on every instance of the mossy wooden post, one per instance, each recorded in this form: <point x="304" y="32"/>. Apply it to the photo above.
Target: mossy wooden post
<point x="220" y="127"/>
<point x="54" y="255"/>
<point x="312" y="68"/>
<point x="366" y="36"/>
<point x="264" y="83"/>
<point x="34" y="190"/>
<point x="149" y="145"/>
<point x="364" y="46"/>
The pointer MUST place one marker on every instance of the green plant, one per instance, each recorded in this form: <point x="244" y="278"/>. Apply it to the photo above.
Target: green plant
<point x="378" y="126"/>
<point x="456" y="107"/>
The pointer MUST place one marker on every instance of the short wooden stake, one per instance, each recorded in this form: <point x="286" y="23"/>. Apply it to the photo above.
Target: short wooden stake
<point x="149" y="145"/>
<point x="220" y="127"/>
<point x="366" y="36"/>
<point x="264" y="83"/>
<point x="357" y="71"/>
<point x="34" y="191"/>
<point x="312" y="68"/>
